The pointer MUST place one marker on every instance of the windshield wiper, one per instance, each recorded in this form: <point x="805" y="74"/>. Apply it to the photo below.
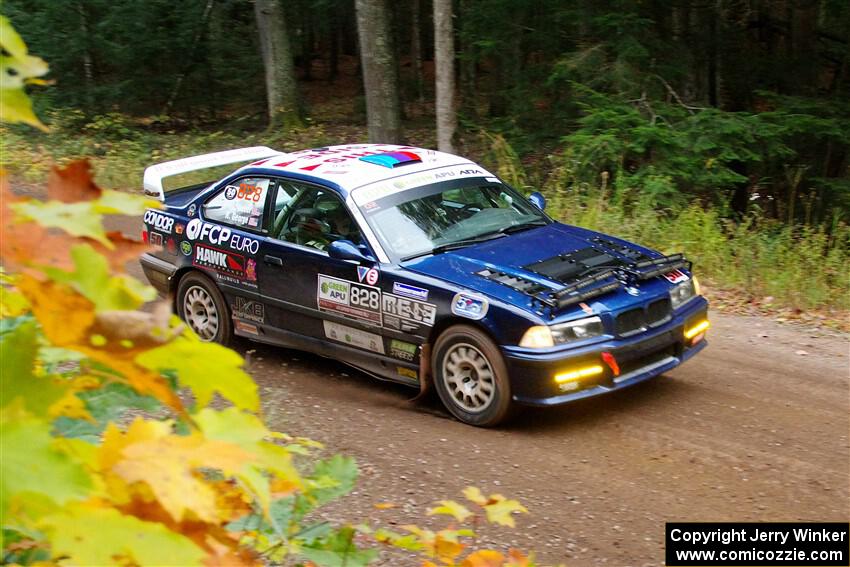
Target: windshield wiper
<point x="455" y="245"/>
<point x="510" y="229"/>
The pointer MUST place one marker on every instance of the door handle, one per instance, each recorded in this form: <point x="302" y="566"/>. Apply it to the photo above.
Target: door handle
<point x="273" y="260"/>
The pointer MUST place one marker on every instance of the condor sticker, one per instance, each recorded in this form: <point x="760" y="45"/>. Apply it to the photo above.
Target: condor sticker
<point x="222" y="261"/>
<point x="159" y="221"/>
<point x="409" y="309"/>
<point x="354" y="337"/>
<point x="350" y="299"/>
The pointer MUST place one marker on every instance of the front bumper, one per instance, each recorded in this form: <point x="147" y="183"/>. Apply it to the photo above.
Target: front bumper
<point x="638" y="358"/>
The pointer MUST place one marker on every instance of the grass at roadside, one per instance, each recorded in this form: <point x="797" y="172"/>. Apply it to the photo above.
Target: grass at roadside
<point x="800" y="271"/>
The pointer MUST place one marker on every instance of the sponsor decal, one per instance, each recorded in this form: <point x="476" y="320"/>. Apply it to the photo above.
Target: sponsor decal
<point x="406" y="372"/>
<point x="676" y="276"/>
<point x="230" y="192"/>
<point x="155" y="239"/>
<point x="403" y="350"/>
<point x="221" y="236"/>
<point x="410" y="291"/>
<point x="378" y="190"/>
<point x="409" y="309"/>
<point x="159" y="221"/>
<point x="171" y="246"/>
<point x="186" y="248"/>
<point x="354" y="337"/>
<point x="586" y="308"/>
<point x="249" y="309"/>
<point x="368" y="274"/>
<point x="222" y="261"/>
<point x="469" y="306"/>
<point x="246" y="328"/>
<point x="349" y="298"/>
<point x="251" y="270"/>
<point x="191" y="211"/>
<point x="179" y="228"/>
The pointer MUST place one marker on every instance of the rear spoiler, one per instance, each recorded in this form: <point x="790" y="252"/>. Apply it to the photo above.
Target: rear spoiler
<point x="156" y="173"/>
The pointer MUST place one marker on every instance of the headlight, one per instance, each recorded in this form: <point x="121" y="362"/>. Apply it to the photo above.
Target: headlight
<point x="541" y="336"/>
<point x="682" y="293"/>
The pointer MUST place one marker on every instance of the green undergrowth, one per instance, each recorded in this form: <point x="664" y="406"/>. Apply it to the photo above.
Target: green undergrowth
<point x="799" y="267"/>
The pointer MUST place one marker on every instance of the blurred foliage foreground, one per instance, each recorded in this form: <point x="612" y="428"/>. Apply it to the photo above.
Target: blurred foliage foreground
<point x="112" y="451"/>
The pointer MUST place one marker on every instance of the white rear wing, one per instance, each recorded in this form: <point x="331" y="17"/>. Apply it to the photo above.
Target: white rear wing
<point x="156" y="173"/>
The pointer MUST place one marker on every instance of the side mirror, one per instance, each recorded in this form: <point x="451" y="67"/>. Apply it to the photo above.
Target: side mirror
<point x="538" y="200"/>
<point x="345" y="250"/>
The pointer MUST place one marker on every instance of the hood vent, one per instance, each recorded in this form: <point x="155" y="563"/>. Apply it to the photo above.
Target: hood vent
<point x="568" y="268"/>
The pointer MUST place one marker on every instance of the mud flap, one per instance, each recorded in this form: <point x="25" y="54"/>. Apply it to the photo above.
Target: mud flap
<point x="425" y="381"/>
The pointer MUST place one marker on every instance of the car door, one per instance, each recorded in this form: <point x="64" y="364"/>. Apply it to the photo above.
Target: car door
<point x="308" y="292"/>
<point x="225" y="241"/>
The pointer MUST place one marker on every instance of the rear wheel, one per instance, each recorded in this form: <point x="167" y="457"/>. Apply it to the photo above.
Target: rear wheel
<point x="471" y="377"/>
<point x="201" y="305"/>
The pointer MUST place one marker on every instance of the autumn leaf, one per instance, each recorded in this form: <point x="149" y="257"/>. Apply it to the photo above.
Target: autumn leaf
<point x="169" y="464"/>
<point x="206" y="368"/>
<point x="17" y="68"/>
<point x="72" y="183"/>
<point x="484" y="558"/>
<point x="94" y="535"/>
<point x="451" y="508"/>
<point x="474" y="495"/>
<point x="68" y="320"/>
<point x="91" y="277"/>
<point x="446" y="549"/>
<point x="30" y="457"/>
<point x="500" y="510"/>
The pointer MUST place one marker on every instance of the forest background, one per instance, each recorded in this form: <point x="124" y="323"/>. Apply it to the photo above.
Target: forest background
<point x="717" y="127"/>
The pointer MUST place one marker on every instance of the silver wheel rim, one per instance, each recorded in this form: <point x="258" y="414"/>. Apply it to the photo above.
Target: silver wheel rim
<point x="200" y="312"/>
<point x="468" y="377"/>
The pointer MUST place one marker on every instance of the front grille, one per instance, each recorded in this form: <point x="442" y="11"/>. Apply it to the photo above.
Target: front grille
<point x="634" y="320"/>
<point x="659" y="312"/>
<point x="630" y="321"/>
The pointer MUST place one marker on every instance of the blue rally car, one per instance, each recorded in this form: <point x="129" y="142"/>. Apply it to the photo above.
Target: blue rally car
<point x="419" y="267"/>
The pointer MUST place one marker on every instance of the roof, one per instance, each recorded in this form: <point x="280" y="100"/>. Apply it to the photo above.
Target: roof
<point x="342" y="165"/>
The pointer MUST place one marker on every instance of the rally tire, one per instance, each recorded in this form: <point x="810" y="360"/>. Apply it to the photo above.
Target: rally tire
<point x="201" y="305"/>
<point x="471" y="377"/>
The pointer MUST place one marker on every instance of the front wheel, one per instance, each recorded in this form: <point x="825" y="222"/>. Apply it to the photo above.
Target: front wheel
<point x="471" y="377"/>
<point x="201" y="305"/>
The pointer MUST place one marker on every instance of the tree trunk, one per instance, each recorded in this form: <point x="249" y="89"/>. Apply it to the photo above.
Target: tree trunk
<point x="190" y="59"/>
<point x="88" y="67"/>
<point x="281" y="88"/>
<point x="380" y="80"/>
<point x="416" y="49"/>
<point x="444" y="63"/>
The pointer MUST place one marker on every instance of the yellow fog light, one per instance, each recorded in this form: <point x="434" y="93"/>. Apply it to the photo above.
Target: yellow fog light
<point x="700" y="327"/>
<point x="585" y="372"/>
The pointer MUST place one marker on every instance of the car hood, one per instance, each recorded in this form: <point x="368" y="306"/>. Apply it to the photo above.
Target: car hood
<point x="514" y="267"/>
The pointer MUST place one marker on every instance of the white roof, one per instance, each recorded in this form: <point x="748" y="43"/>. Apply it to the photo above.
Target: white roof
<point x="342" y="165"/>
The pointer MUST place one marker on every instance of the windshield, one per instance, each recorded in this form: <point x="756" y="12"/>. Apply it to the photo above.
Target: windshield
<point x="447" y="215"/>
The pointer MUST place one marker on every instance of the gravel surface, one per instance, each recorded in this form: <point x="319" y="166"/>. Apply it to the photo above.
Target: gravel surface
<point x="753" y="429"/>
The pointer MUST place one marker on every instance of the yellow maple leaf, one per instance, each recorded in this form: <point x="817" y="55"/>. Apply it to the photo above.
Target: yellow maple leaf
<point x="500" y="510"/>
<point x="474" y="495"/>
<point x="168" y="465"/>
<point x="447" y="550"/>
<point x="451" y="508"/>
<point x="484" y="558"/>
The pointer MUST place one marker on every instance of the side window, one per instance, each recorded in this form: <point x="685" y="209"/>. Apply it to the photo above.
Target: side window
<point x="240" y="204"/>
<point x="316" y="217"/>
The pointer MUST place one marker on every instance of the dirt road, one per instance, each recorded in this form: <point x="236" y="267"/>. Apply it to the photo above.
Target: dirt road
<point x="754" y="429"/>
